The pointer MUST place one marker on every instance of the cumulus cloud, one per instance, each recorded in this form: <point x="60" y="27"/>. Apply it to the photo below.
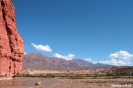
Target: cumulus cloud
<point x="119" y="58"/>
<point x="67" y="57"/>
<point x="42" y="48"/>
<point x="115" y="62"/>
<point x="88" y="59"/>
<point x="121" y="55"/>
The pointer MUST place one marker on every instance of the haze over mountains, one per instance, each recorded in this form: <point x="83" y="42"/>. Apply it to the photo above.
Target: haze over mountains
<point x="41" y="62"/>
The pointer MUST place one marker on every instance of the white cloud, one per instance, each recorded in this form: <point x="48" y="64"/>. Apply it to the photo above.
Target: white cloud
<point x="119" y="58"/>
<point x="25" y="53"/>
<point x="68" y="57"/>
<point x="121" y="55"/>
<point x="88" y="59"/>
<point x="115" y="62"/>
<point x="42" y="48"/>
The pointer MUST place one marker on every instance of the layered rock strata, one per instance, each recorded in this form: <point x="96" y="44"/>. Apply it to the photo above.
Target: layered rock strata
<point x="11" y="43"/>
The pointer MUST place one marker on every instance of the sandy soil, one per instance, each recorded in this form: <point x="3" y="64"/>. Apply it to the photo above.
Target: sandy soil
<point x="85" y="83"/>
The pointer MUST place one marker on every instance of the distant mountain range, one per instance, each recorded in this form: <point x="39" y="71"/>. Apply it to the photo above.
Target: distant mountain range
<point x="40" y="62"/>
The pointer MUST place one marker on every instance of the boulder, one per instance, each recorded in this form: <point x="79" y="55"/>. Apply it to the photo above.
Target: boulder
<point x="38" y="83"/>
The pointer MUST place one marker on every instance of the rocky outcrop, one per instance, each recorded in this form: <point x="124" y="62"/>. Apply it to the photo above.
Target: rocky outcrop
<point x="11" y="43"/>
<point x="120" y="70"/>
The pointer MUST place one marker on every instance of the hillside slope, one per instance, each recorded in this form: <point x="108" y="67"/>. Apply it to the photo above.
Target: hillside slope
<point x="41" y="62"/>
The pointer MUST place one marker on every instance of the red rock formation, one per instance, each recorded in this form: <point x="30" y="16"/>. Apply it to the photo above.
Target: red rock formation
<point x="11" y="43"/>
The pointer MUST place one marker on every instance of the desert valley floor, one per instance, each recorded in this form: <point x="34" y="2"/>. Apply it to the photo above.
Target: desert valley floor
<point x="67" y="83"/>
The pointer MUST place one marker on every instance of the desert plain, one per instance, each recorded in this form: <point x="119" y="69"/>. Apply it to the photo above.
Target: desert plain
<point x="67" y="83"/>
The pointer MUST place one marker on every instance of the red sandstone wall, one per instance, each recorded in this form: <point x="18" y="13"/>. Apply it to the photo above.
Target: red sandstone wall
<point x="11" y="43"/>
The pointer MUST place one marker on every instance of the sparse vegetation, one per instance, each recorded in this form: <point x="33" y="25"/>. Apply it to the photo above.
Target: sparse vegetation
<point x="77" y="76"/>
<point x="110" y="73"/>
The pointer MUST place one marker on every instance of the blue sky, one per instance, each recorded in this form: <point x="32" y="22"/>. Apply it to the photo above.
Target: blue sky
<point x="93" y="30"/>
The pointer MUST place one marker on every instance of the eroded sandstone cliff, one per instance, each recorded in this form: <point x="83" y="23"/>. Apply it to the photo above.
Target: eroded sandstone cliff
<point x="11" y="43"/>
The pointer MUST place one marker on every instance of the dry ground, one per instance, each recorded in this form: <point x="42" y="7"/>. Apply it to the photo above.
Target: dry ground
<point x="85" y="83"/>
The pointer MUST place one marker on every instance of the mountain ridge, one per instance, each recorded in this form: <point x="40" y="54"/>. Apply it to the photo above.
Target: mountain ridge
<point x="40" y="62"/>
